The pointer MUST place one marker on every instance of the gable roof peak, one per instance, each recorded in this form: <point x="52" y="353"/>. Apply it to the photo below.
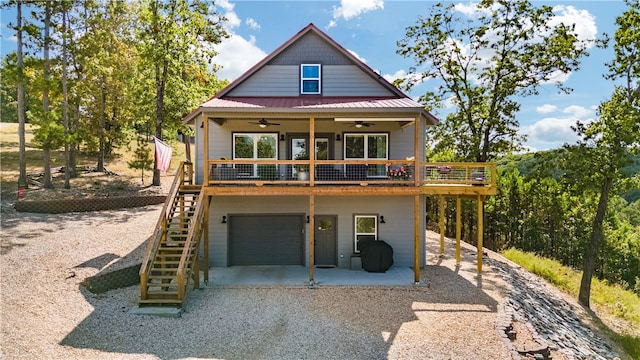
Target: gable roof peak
<point x="311" y="27"/>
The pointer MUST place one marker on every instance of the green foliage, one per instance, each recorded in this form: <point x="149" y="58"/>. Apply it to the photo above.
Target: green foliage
<point x="112" y="50"/>
<point x="543" y="215"/>
<point x="142" y="157"/>
<point x="482" y="74"/>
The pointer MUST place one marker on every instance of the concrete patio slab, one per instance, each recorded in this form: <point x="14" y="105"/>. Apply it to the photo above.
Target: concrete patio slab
<point x="299" y="275"/>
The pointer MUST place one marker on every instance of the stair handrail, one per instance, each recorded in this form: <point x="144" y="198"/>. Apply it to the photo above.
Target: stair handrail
<point x="159" y="231"/>
<point x="192" y="244"/>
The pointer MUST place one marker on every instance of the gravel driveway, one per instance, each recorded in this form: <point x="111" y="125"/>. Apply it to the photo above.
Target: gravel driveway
<point x="47" y="314"/>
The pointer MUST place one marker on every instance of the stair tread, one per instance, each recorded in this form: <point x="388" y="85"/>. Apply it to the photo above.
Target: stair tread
<point x="160" y="301"/>
<point x="165" y="292"/>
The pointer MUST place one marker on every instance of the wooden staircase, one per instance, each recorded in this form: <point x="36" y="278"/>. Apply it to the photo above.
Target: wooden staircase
<point x="172" y="258"/>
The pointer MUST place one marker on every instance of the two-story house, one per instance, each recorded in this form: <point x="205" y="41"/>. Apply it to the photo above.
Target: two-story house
<point x="300" y="158"/>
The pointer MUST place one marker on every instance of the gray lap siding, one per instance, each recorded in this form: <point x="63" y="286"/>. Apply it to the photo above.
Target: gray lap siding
<point x="397" y="229"/>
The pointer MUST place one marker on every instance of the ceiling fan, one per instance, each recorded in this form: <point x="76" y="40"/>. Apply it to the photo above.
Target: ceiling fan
<point x="361" y="124"/>
<point x="263" y="123"/>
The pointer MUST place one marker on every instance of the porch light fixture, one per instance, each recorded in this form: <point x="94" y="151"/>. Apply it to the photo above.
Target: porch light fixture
<point x="382" y="220"/>
<point x="307" y="219"/>
<point x="224" y="220"/>
<point x="282" y="137"/>
<point x="338" y="137"/>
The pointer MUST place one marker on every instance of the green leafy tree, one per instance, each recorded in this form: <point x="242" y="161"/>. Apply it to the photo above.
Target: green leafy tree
<point x="510" y="49"/>
<point x="108" y="59"/>
<point x="606" y="143"/>
<point x="20" y="80"/>
<point x="48" y="131"/>
<point x="142" y="157"/>
<point x="176" y="37"/>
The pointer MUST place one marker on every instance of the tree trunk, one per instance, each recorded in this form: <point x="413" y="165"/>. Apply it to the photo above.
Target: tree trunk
<point x="73" y="128"/>
<point x="22" y="157"/>
<point x="591" y="253"/>
<point x="65" y="102"/>
<point x="103" y="125"/>
<point x="46" y="156"/>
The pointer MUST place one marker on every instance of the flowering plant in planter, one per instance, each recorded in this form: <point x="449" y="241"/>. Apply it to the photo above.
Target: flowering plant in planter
<point x="398" y="172"/>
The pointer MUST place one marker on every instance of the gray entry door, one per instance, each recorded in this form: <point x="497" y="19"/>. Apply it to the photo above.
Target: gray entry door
<point x="266" y="239"/>
<point x="325" y="240"/>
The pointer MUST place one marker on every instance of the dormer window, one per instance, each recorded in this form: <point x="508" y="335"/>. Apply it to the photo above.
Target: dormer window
<point x="310" y="75"/>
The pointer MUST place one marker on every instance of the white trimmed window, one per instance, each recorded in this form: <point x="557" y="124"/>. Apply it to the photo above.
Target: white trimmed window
<point x="365" y="228"/>
<point x="249" y="146"/>
<point x="310" y="79"/>
<point x="363" y="146"/>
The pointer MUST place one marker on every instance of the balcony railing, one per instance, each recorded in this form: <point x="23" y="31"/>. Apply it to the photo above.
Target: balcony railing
<point x="346" y="172"/>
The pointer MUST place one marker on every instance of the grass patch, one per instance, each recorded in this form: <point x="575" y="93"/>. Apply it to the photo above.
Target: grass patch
<point x="613" y="300"/>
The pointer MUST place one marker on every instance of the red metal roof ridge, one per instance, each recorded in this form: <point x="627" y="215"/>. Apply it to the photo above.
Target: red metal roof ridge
<point x="312" y="97"/>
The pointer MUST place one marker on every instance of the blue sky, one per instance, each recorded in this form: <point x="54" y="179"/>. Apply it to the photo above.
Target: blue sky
<point x="371" y="28"/>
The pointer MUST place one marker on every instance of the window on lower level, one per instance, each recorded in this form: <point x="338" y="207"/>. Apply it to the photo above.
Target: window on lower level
<point x="365" y="228"/>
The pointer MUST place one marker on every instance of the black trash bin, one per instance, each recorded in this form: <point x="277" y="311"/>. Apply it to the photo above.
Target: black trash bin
<point x="376" y="255"/>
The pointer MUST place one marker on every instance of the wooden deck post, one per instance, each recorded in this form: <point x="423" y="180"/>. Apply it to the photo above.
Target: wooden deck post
<point x="205" y="234"/>
<point x="416" y="239"/>
<point x="312" y="211"/>
<point x="205" y="151"/>
<point x="311" y="151"/>
<point x="480" y="233"/>
<point x="458" y="228"/>
<point x="441" y="221"/>
<point x="417" y="146"/>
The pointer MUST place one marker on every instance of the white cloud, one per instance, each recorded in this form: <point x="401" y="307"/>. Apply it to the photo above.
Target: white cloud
<point x="553" y="132"/>
<point x="546" y="108"/>
<point x="233" y="21"/>
<point x="357" y="56"/>
<point x="577" y="111"/>
<point x="251" y="23"/>
<point x="237" y="55"/>
<point x="349" y="9"/>
<point x="583" y="20"/>
<point x="471" y="9"/>
<point x="400" y="74"/>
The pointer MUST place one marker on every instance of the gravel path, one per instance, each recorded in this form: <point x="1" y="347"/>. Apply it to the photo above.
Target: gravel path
<point x="47" y="314"/>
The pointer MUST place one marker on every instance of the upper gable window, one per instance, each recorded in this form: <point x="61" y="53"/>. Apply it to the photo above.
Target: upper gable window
<point x="310" y="78"/>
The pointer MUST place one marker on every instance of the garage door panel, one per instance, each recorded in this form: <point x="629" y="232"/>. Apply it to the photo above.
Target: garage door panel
<point x="266" y="240"/>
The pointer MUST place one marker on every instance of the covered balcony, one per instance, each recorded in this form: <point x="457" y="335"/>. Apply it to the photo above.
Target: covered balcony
<point x="428" y="178"/>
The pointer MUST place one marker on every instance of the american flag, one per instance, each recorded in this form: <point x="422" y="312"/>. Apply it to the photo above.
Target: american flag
<point x="163" y="155"/>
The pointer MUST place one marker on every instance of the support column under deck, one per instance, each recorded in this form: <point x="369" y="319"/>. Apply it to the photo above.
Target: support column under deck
<point x="441" y="222"/>
<point x="458" y="228"/>
<point x="416" y="239"/>
<point x="312" y="210"/>
<point x="480" y="232"/>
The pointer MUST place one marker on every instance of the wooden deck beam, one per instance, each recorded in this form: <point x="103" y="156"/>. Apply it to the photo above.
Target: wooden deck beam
<point x="470" y="192"/>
